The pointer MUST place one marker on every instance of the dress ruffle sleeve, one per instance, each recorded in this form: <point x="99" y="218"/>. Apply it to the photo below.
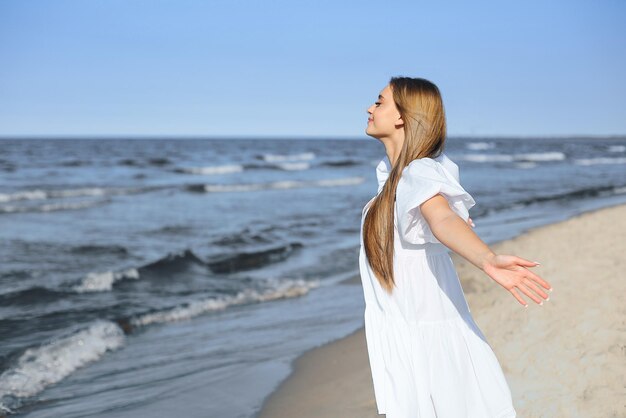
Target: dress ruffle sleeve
<point x="422" y="179"/>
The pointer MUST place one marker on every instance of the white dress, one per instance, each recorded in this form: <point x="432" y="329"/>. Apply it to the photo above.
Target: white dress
<point x="428" y="357"/>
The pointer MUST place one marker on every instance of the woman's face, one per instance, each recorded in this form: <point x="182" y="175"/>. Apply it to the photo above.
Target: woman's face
<point x="384" y="118"/>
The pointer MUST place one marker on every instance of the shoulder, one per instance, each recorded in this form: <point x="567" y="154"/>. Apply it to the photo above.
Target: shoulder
<point x="423" y="169"/>
<point x="449" y="165"/>
<point x="426" y="176"/>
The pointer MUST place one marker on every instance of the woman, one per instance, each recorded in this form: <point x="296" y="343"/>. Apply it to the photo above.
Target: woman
<point x="428" y="357"/>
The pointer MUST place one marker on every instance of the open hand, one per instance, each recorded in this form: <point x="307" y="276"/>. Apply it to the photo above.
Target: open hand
<point x="511" y="273"/>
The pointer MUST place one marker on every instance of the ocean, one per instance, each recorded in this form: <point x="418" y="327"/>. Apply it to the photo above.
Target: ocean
<point x="153" y="277"/>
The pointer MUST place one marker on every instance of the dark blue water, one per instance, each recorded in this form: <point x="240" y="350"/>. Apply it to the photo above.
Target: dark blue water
<point x="154" y="277"/>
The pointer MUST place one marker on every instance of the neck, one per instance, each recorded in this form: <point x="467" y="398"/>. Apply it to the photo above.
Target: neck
<point x="393" y="145"/>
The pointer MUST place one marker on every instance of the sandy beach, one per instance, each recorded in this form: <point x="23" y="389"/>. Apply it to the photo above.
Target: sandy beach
<point x="563" y="359"/>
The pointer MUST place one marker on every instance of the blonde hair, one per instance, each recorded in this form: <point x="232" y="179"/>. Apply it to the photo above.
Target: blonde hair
<point x="421" y="108"/>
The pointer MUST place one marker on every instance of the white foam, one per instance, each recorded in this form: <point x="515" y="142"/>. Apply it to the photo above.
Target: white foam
<point x="483" y="158"/>
<point x="86" y="191"/>
<point x="600" y="160"/>
<point x="287" y="184"/>
<point x="477" y="146"/>
<point x="38" y="194"/>
<point x="217" y="169"/>
<point x="294" y="166"/>
<point x="24" y="195"/>
<point x="217" y="188"/>
<point x="346" y="181"/>
<point x="291" y="157"/>
<point x="539" y="156"/>
<point x="98" y="282"/>
<point x="43" y="366"/>
<point x="284" y="184"/>
<point x="278" y="290"/>
<point x="52" y="207"/>
<point x="526" y="164"/>
<point x="617" y="148"/>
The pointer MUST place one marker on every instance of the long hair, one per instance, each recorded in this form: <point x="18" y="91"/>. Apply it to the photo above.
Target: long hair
<point x="421" y="108"/>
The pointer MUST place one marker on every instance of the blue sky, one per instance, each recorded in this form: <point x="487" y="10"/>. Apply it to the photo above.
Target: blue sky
<point x="307" y="68"/>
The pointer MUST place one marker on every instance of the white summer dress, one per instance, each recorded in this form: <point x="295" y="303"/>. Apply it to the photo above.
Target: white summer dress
<point x="428" y="357"/>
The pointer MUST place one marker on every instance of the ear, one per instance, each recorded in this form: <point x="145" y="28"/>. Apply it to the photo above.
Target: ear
<point x="399" y="122"/>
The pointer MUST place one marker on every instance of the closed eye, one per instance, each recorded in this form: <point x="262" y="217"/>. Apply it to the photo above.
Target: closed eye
<point x="377" y="103"/>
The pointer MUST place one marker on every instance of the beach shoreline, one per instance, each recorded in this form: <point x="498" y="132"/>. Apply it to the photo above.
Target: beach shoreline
<point x="552" y="365"/>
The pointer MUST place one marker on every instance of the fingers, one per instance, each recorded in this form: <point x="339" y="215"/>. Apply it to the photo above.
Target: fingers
<point x="526" y="290"/>
<point x="537" y="290"/>
<point x="539" y="280"/>
<point x="522" y="280"/>
<point x="518" y="297"/>
<point x="533" y="276"/>
<point x="526" y="263"/>
<point x="527" y="287"/>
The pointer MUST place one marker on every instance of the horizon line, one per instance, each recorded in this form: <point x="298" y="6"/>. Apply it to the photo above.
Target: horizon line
<point x="292" y="137"/>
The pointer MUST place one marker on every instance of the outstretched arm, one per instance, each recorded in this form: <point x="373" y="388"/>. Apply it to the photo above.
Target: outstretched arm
<point x="509" y="271"/>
